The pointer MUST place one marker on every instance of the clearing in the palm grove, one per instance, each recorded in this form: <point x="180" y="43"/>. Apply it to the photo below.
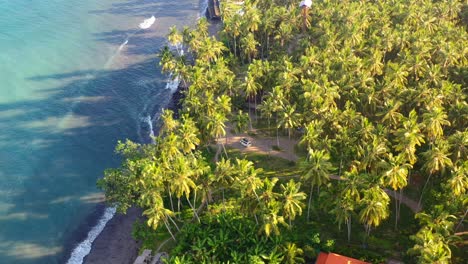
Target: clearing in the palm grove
<point x="356" y="115"/>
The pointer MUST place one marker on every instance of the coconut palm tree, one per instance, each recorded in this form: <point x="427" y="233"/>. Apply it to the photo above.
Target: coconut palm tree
<point x="241" y="121"/>
<point x="433" y="121"/>
<point x="436" y="161"/>
<point x="224" y="174"/>
<point x="292" y="254"/>
<point x="408" y="137"/>
<point x="289" y="118"/>
<point x="396" y="176"/>
<point x="343" y="211"/>
<point x="175" y="38"/>
<point x="292" y="200"/>
<point x="316" y="169"/>
<point x="374" y="208"/>
<point x="188" y="133"/>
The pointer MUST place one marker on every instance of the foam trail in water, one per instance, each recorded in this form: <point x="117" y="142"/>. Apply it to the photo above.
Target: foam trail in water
<point x="203" y="7"/>
<point x="83" y="249"/>
<point x="147" y="23"/>
<point x="149" y="123"/>
<point x="173" y="84"/>
<point x="123" y="45"/>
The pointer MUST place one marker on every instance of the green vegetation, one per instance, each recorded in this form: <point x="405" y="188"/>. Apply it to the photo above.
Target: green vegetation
<point x="377" y="92"/>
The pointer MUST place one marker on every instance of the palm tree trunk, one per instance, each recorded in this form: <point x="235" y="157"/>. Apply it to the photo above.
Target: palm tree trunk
<point x="310" y="201"/>
<point x="277" y="136"/>
<point x="195" y="198"/>
<point x="424" y="188"/>
<point x="224" y="202"/>
<point x="461" y="221"/>
<point x="396" y="209"/>
<point x="225" y="152"/>
<point x="193" y="208"/>
<point x="175" y="224"/>
<point x="178" y="204"/>
<point x="169" y="229"/>
<point x="250" y="119"/>
<point x="170" y="198"/>
<point x="348" y="223"/>
<point x="235" y="47"/>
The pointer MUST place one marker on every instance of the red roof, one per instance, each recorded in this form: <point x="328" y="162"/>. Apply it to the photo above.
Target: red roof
<point x="333" y="258"/>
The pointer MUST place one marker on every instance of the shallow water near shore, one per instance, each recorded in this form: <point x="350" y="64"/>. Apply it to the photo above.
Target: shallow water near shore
<point x="76" y="76"/>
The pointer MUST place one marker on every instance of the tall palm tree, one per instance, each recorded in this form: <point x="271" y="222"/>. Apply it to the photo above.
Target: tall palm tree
<point x="374" y="208"/>
<point x="292" y="200"/>
<point x="316" y="168"/>
<point x="434" y="120"/>
<point x="188" y="133"/>
<point x="437" y="159"/>
<point x="241" y="121"/>
<point x="396" y="176"/>
<point x="224" y="174"/>
<point x="409" y="136"/>
<point x="343" y="210"/>
<point x="289" y="118"/>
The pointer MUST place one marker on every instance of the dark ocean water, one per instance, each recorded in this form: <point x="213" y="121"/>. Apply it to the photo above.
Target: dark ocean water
<point x="75" y="76"/>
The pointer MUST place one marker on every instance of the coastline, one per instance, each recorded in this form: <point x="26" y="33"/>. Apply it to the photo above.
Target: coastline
<point x="115" y="243"/>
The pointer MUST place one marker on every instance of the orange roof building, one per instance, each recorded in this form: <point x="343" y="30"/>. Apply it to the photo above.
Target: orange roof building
<point x="332" y="258"/>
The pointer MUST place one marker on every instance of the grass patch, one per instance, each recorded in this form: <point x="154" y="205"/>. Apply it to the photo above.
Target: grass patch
<point x="272" y="166"/>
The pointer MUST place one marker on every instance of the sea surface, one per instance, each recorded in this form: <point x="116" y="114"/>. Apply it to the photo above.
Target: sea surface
<point x="76" y="76"/>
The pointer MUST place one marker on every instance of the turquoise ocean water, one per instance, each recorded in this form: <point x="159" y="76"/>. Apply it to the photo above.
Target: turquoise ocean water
<point x="75" y="77"/>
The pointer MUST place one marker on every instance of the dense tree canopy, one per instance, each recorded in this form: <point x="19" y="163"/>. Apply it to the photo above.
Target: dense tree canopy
<point x="378" y="90"/>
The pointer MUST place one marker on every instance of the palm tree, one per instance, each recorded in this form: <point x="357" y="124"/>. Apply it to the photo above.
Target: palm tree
<point x="293" y="254"/>
<point x="241" y="122"/>
<point x="409" y="136"/>
<point x="374" y="208"/>
<point x="216" y="126"/>
<point x="249" y="45"/>
<point x="396" y="176"/>
<point x="289" y="118"/>
<point x="157" y="213"/>
<point x="317" y="168"/>
<point x="432" y="240"/>
<point x="436" y="160"/>
<point x="188" y="133"/>
<point x="175" y="38"/>
<point x="292" y="196"/>
<point x="169" y="124"/>
<point x="224" y="174"/>
<point x="434" y="120"/>
<point x="343" y="210"/>
<point x="272" y="219"/>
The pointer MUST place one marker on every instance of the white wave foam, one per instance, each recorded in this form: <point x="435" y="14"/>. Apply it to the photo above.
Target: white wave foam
<point x="147" y="23"/>
<point x="149" y="122"/>
<point x="173" y="84"/>
<point x="123" y="44"/>
<point x="83" y="249"/>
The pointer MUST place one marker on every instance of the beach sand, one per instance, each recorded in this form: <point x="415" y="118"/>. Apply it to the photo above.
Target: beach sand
<point x="115" y="244"/>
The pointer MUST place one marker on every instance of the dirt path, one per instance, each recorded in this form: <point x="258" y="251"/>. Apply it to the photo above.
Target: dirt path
<point x="263" y="145"/>
<point x="260" y="144"/>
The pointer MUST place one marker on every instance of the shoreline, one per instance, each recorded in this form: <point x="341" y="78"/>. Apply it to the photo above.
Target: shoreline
<point x="115" y="243"/>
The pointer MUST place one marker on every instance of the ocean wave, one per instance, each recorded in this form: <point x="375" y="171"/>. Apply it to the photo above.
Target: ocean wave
<point x="83" y="249"/>
<point x="147" y="23"/>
